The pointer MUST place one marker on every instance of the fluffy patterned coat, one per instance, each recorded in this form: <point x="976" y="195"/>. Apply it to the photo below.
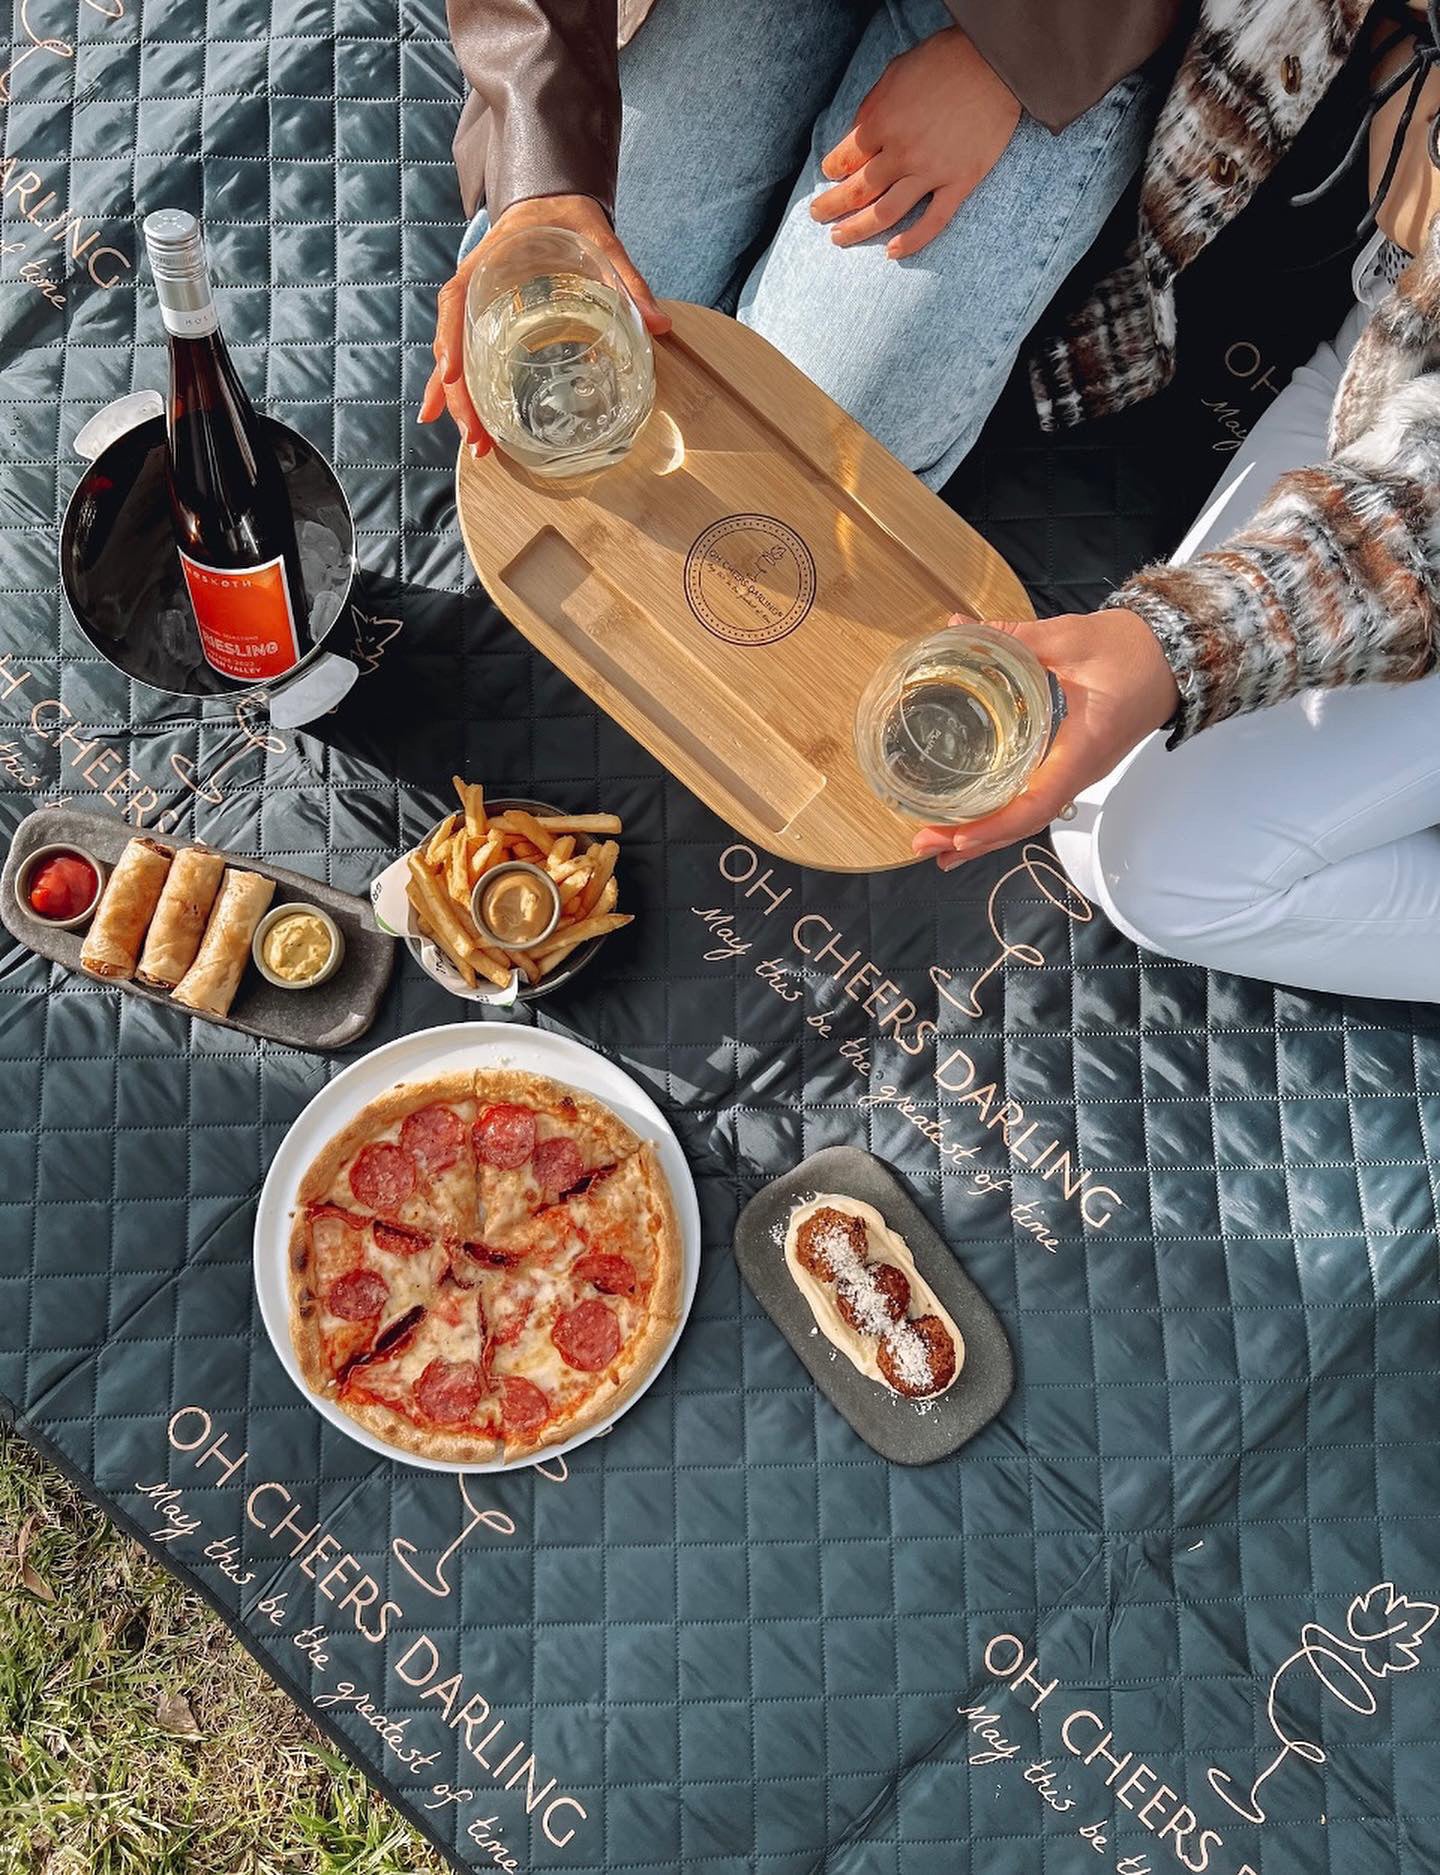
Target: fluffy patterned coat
<point x="1250" y="76"/>
<point x="1337" y="578"/>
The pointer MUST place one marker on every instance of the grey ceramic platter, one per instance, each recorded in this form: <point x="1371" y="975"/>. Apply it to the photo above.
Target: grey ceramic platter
<point x="331" y="1015"/>
<point x="910" y="1432"/>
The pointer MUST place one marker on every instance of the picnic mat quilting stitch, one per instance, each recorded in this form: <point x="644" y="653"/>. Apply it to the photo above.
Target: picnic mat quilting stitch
<point x="1198" y="1545"/>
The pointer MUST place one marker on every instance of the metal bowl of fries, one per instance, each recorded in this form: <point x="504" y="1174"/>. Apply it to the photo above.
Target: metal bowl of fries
<point x="427" y="897"/>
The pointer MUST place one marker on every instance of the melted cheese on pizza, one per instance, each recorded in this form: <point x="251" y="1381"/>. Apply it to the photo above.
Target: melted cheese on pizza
<point x="509" y="1196"/>
<point x="442" y="1203"/>
<point x="449" y="1331"/>
<point x="614" y="1218"/>
<point x="337" y="1250"/>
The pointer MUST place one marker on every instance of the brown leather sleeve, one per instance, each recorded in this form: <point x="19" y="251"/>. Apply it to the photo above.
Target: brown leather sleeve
<point x="543" y="117"/>
<point x="1061" y="56"/>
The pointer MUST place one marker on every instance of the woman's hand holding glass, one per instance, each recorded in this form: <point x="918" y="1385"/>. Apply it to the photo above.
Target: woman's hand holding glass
<point x="1118" y="690"/>
<point x="582" y="214"/>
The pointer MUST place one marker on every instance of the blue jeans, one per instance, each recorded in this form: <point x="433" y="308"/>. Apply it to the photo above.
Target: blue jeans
<point x="730" y="107"/>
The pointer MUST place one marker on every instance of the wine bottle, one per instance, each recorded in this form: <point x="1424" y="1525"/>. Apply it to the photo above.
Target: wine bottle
<point x="233" y="523"/>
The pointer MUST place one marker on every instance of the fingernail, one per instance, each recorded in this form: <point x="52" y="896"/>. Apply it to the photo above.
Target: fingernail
<point x="475" y="451"/>
<point x="947" y="862"/>
<point x="927" y="843"/>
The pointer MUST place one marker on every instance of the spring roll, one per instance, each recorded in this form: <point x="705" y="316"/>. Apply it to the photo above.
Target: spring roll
<point x="209" y="985"/>
<point x="112" y="944"/>
<point x="179" y="921"/>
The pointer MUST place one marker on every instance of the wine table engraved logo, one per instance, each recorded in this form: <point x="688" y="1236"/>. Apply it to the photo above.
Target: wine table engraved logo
<point x="749" y="579"/>
<point x="1383" y="1634"/>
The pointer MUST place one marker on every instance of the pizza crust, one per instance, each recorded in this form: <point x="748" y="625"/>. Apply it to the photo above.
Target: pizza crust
<point x="306" y="1336"/>
<point x="442" y="1442"/>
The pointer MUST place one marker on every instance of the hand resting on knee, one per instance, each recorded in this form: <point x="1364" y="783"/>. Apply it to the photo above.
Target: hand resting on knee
<point x="934" y="123"/>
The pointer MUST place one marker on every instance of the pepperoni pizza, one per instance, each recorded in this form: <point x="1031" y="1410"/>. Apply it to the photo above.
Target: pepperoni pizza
<point x="483" y="1265"/>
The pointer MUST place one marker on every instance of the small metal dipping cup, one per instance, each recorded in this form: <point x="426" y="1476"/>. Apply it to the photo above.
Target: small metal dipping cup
<point x="483" y="886"/>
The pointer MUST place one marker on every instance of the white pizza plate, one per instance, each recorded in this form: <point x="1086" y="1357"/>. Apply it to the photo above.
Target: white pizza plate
<point x="429" y="1053"/>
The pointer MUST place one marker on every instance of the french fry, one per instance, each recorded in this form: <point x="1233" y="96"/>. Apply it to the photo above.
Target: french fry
<point x="526" y="964"/>
<point x="493" y="965"/>
<point x="472" y="799"/>
<point x="522" y="849"/>
<point x="489" y="853"/>
<point x="582" y="823"/>
<point x="466" y="972"/>
<point x="562" y="850"/>
<point x="457" y="870"/>
<point x="438" y="911"/>
<point x="467" y="954"/>
<point x="441" y="837"/>
<point x="531" y="829"/>
<point x="431" y="915"/>
<point x="604" y="865"/>
<point x="581" y="933"/>
<point x="609" y="895"/>
<point x="571" y="888"/>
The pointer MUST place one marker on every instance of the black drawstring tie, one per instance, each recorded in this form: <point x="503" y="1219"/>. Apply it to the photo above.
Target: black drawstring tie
<point x="1413" y="73"/>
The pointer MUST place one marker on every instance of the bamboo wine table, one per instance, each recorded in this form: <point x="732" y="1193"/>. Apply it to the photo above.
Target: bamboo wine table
<point x="726" y="591"/>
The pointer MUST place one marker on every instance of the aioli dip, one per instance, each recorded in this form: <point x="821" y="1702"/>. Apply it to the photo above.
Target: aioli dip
<point x="296" y="947"/>
<point x="518" y="906"/>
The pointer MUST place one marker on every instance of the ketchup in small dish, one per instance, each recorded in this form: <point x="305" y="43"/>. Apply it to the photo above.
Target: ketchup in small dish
<point x="62" y="887"/>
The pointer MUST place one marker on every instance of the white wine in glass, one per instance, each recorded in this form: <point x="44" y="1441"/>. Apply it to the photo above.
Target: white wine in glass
<point x="557" y="359"/>
<point x="952" y="726"/>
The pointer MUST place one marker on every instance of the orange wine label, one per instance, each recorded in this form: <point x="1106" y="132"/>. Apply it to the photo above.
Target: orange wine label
<point x="246" y="620"/>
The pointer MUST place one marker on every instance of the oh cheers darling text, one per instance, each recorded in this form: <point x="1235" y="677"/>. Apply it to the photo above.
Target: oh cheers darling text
<point x="818" y="946"/>
<point x="488" y="1745"/>
<point x="1176" y="1830"/>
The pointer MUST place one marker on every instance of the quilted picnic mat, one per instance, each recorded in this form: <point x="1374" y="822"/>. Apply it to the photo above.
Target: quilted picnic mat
<point x="1174" y="1609"/>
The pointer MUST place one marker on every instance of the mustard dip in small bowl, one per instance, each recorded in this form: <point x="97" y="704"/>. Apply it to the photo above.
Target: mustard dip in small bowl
<point x="297" y="946"/>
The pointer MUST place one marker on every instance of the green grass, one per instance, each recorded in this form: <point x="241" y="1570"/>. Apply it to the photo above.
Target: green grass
<point x="98" y="1688"/>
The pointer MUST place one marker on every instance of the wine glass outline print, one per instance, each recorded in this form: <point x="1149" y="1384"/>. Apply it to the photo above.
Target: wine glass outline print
<point x="1385" y="1631"/>
<point x="403" y="1549"/>
<point x="61" y="48"/>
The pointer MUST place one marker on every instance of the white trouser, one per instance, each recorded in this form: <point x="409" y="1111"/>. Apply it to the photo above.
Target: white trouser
<point x="1297" y="844"/>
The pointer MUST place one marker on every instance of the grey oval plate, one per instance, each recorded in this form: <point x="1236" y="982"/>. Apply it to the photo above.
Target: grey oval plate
<point x="330" y="1016"/>
<point x="911" y="1432"/>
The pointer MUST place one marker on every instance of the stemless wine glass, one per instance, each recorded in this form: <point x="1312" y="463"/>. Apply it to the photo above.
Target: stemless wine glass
<point x="951" y="727"/>
<point x="557" y="358"/>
